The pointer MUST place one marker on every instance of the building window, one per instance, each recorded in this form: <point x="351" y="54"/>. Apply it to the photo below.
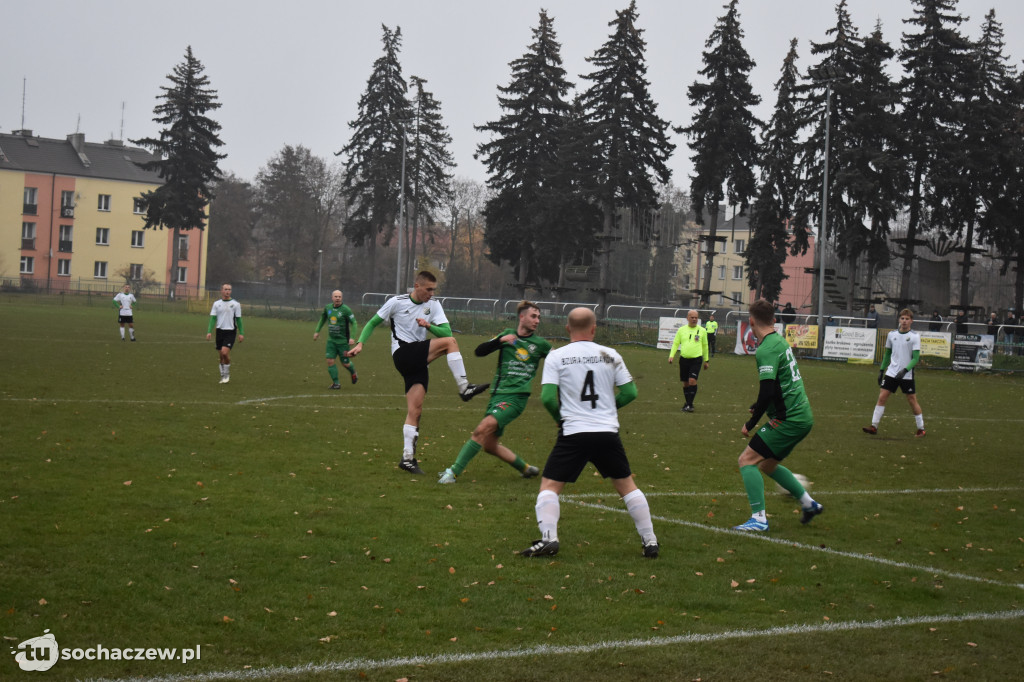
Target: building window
<point x="689" y="256"/>
<point x="31" y="201"/>
<point x="721" y="299"/>
<point x="137" y="206"/>
<point x="737" y="297"/>
<point x="99" y="269"/>
<point x="104" y="203"/>
<point x="28" y="235"/>
<point x="737" y="272"/>
<point x="135" y="271"/>
<point x="675" y="270"/>
<point x="67" y="204"/>
<point x="103" y="236"/>
<point x="28" y="265"/>
<point x="740" y="245"/>
<point x="138" y="238"/>
<point x="183" y="247"/>
<point x="686" y="281"/>
<point x="64" y="267"/>
<point x="182" y="275"/>
<point x="64" y="233"/>
<point x="721" y="272"/>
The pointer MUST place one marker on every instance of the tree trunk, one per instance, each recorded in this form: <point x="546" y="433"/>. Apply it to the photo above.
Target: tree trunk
<point x="172" y="276"/>
<point x="605" y="261"/>
<point x="709" y="261"/>
<point x="524" y="266"/>
<point x="912" y="224"/>
<point x="965" y="270"/>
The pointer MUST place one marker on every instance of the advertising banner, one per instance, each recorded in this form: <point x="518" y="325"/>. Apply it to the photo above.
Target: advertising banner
<point x="973" y="352"/>
<point x="802" y="335"/>
<point x="667" y="328"/>
<point x="936" y="344"/>
<point x="746" y="342"/>
<point x="849" y="342"/>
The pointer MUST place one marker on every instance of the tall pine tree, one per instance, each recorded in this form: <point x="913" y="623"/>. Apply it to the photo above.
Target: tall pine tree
<point x="722" y="134"/>
<point x="187" y="154"/>
<point x="628" y="137"/>
<point x="773" y="210"/>
<point x="428" y="174"/>
<point x="522" y="154"/>
<point x="936" y="60"/>
<point x="373" y="156"/>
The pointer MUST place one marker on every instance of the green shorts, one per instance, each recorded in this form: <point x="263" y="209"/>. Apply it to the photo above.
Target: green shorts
<point x="505" y="408"/>
<point x="776" y="439"/>
<point x="336" y="347"/>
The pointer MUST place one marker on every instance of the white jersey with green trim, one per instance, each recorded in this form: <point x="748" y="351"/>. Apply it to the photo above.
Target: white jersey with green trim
<point x="903" y="346"/>
<point x="586" y="374"/>
<point x="226" y="312"/>
<point x="401" y="312"/>
<point x="125" y="303"/>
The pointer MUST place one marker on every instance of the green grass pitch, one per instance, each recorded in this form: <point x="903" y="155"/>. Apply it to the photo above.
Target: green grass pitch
<point x="143" y="504"/>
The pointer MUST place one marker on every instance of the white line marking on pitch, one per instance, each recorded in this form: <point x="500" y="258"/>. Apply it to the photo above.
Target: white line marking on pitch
<point x="549" y="650"/>
<point x="905" y="491"/>
<point x="799" y="545"/>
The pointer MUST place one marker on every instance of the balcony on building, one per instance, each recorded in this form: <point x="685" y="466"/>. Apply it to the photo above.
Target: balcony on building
<point x="30" y="209"/>
<point x="67" y="211"/>
<point x="64" y="246"/>
<point x="28" y="244"/>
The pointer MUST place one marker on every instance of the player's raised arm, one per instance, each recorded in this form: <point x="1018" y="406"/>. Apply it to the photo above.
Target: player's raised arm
<point x="364" y="336"/>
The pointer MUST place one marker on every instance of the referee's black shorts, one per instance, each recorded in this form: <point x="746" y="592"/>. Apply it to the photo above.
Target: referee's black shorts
<point x="689" y="368"/>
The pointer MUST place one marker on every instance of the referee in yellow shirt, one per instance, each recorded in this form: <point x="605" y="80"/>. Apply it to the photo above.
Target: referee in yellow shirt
<point x="711" y="326"/>
<point x="692" y="343"/>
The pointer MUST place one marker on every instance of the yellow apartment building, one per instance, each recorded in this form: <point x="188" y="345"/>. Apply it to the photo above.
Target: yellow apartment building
<point x="70" y="220"/>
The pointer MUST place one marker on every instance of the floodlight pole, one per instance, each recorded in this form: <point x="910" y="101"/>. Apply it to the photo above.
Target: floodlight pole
<point x="828" y="75"/>
<point x="401" y="218"/>
<point x="320" y="278"/>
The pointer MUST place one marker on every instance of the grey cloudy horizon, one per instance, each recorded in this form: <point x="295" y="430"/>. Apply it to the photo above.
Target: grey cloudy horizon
<point x="292" y="73"/>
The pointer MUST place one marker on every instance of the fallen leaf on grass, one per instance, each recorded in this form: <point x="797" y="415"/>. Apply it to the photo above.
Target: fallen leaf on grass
<point x="228" y="619"/>
<point x="42" y="602"/>
<point x="127" y="482"/>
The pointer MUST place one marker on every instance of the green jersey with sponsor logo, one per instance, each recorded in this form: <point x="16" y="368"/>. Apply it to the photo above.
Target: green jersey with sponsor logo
<point x="518" y="363"/>
<point x="341" y="323"/>
<point x="775" y="360"/>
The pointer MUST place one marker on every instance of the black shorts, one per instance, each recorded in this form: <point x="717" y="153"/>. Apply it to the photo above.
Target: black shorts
<point x="125" y="319"/>
<point x="689" y="368"/>
<point x="571" y="454"/>
<point x="411" y="362"/>
<point x="225" y="338"/>
<point x="906" y="385"/>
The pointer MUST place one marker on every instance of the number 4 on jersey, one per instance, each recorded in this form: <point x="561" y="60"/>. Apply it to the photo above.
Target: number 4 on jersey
<point x="588" y="394"/>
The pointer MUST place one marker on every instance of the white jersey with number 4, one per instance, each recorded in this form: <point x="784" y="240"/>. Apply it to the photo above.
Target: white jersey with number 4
<point x="401" y="312"/>
<point x="586" y="374"/>
<point x="903" y="347"/>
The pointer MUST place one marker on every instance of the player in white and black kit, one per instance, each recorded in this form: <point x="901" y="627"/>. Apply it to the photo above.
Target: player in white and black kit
<point x="411" y="316"/>
<point x="902" y="352"/>
<point x="125" y="316"/>
<point x="226" y="315"/>
<point x="578" y="390"/>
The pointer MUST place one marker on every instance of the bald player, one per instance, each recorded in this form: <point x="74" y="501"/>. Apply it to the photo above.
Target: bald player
<point x="341" y="334"/>
<point x="579" y="391"/>
<point x="691" y="340"/>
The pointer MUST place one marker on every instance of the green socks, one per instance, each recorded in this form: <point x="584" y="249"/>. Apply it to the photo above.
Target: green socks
<point x="466" y="455"/>
<point x="787" y="480"/>
<point x="754" y="484"/>
<point x="333" y="371"/>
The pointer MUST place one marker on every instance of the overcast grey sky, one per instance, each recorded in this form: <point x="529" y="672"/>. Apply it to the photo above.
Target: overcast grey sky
<point x="292" y="72"/>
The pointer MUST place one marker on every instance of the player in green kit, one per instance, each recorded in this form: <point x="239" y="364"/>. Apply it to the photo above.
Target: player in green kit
<point x="781" y="395"/>
<point x="520" y="351"/>
<point x="341" y="333"/>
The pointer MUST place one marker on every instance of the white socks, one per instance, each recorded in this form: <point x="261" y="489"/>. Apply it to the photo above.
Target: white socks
<point x="547" y="514"/>
<point x="458" y="368"/>
<point x="876" y="416"/>
<point x="919" y="420"/>
<point x="640" y="511"/>
<point x="409" y="434"/>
